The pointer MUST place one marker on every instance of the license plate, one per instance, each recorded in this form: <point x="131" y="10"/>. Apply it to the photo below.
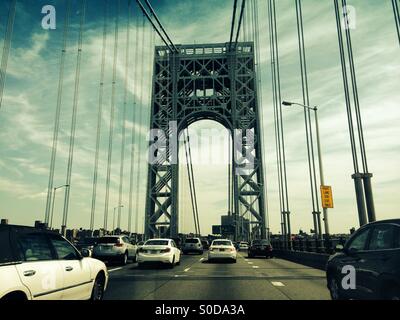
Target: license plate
<point x="221" y="249"/>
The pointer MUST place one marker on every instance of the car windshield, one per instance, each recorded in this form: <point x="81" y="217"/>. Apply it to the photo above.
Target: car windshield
<point x="140" y="243"/>
<point x="108" y="240"/>
<point x="191" y="241"/>
<point x="157" y="243"/>
<point x="222" y="243"/>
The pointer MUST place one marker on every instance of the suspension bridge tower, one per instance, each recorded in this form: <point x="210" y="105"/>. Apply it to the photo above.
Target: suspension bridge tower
<point x="195" y="82"/>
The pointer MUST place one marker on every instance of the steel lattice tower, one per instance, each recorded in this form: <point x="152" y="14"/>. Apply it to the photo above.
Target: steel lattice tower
<point x="206" y="81"/>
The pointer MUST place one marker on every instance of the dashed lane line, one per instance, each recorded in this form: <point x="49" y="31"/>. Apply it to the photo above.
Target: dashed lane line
<point x="277" y="284"/>
<point x="115" y="269"/>
<point x="186" y="270"/>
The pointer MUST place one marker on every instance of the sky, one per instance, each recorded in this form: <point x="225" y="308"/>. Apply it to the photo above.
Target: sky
<point x="28" y="110"/>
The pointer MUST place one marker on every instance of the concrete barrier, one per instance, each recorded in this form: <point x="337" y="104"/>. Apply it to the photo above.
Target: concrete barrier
<point x="310" y="259"/>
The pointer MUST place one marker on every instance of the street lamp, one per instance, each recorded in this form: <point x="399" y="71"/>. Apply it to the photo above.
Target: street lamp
<point x="120" y="206"/>
<point x="321" y="170"/>
<point x="52" y="205"/>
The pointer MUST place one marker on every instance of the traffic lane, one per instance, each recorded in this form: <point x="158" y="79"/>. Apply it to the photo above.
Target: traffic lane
<point x="198" y="279"/>
<point x="297" y="281"/>
<point x="217" y="281"/>
<point x="133" y="283"/>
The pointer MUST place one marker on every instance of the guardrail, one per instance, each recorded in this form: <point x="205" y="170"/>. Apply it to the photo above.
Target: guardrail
<point x="326" y="245"/>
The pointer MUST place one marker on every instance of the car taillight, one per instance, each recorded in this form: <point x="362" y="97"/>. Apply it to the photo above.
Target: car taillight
<point x="165" y="250"/>
<point x="141" y="250"/>
<point x="118" y="245"/>
<point x="269" y="248"/>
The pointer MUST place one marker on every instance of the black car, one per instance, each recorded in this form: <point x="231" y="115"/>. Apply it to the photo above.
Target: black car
<point x="372" y="253"/>
<point x="260" y="247"/>
<point x="206" y="244"/>
<point x="86" y="243"/>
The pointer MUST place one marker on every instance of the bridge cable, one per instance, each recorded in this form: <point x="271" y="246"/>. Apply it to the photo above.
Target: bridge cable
<point x="74" y="113"/>
<point x="99" y="115"/>
<point x="232" y="23"/>
<point x="240" y="21"/>
<point x="6" y="47"/>
<point x="396" y="12"/>
<point x="56" y="128"/>
<point x="154" y="14"/>
<point x="111" y="132"/>
<point x="125" y="101"/>
<point x="307" y="122"/>
<point x="140" y="120"/>
<point x="133" y="132"/>
<point x="191" y="182"/>
<point x="281" y="161"/>
<point x="170" y="46"/>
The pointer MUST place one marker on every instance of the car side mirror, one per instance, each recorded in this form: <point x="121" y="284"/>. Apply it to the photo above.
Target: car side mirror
<point x="86" y="253"/>
<point x="339" y="248"/>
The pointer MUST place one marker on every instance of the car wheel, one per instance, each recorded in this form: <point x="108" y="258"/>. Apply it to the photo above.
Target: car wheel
<point x="234" y="260"/>
<point x="124" y="259"/>
<point x="134" y="258"/>
<point x="98" y="288"/>
<point x="171" y="265"/>
<point x="334" y="289"/>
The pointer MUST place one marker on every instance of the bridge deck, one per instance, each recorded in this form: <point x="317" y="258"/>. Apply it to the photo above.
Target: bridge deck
<point x="195" y="278"/>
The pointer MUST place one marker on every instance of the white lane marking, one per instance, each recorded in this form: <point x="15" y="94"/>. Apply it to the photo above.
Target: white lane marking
<point x="255" y="267"/>
<point x="201" y="259"/>
<point x="250" y="262"/>
<point x="115" y="269"/>
<point x="277" y="284"/>
<point x="246" y="260"/>
<point x="186" y="270"/>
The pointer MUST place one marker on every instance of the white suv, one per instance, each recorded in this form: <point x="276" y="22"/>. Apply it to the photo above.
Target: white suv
<point x="192" y="245"/>
<point x="111" y="248"/>
<point x="40" y="264"/>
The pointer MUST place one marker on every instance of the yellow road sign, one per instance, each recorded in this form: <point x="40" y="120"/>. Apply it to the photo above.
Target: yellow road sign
<point x="326" y="197"/>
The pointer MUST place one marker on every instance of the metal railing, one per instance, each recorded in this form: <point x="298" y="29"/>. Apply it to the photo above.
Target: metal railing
<point x="309" y="244"/>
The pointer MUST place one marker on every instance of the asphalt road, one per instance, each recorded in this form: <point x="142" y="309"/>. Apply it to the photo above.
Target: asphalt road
<point x="195" y="278"/>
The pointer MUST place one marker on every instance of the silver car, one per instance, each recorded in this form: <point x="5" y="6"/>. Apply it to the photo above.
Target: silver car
<point x="115" y="248"/>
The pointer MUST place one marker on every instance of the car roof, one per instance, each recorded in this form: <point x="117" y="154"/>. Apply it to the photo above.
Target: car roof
<point x="395" y="221"/>
<point x="164" y="239"/>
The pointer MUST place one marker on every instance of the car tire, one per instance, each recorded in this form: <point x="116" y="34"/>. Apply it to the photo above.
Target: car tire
<point x="134" y="259"/>
<point x="234" y="260"/>
<point x="98" y="288"/>
<point x="124" y="259"/>
<point x="334" y="288"/>
<point x="179" y="261"/>
<point x="172" y="264"/>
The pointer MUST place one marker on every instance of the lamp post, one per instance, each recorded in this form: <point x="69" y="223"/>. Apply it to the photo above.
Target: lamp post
<point x="53" y="200"/>
<point x="321" y="170"/>
<point x="117" y="207"/>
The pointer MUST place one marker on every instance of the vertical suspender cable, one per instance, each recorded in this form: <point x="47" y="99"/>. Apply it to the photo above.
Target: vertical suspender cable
<point x="260" y="103"/>
<point x="110" y="138"/>
<point x="133" y="133"/>
<point x="58" y="111"/>
<point x="140" y="122"/>
<point x="396" y="12"/>
<point x="74" y="113"/>
<point x="121" y="170"/>
<point x="233" y="23"/>
<point x="99" y="116"/>
<point x="6" y="48"/>
<point x="193" y="182"/>
<point x="192" y="197"/>
<point x="307" y="122"/>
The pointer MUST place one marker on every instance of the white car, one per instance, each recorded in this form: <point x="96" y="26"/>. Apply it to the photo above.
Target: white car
<point x="243" y="245"/>
<point x="36" y="264"/>
<point x="115" y="248"/>
<point x="222" y="249"/>
<point x="159" y="250"/>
